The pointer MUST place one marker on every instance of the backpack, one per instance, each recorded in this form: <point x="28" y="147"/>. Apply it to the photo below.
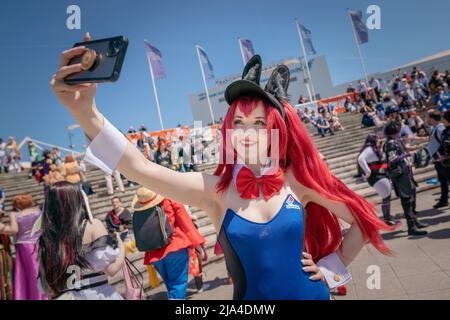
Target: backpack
<point x="444" y="148"/>
<point x="87" y="188"/>
<point x="421" y="158"/>
<point x="152" y="229"/>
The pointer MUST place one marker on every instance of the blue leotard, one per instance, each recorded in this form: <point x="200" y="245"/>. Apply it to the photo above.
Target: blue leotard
<point x="264" y="259"/>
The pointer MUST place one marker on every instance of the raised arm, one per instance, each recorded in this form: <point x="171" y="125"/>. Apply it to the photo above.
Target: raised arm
<point x="196" y="189"/>
<point x="193" y="188"/>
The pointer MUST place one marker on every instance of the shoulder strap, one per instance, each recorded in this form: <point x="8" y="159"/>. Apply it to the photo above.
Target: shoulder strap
<point x="160" y="208"/>
<point x="136" y="277"/>
<point x="304" y="228"/>
<point x="134" y="270"/>
<point x="163" y="220"/>
<point x="303" y="218"/>
<point x="83" y="228"/>
<point x="436" y="135"/>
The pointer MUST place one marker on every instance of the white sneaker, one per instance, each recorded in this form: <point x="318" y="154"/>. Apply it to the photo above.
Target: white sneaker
<point x="206" y="286"/>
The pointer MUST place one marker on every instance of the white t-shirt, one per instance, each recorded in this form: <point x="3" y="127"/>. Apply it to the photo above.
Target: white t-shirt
<point x="366" y="157"/>
<point x="2" y="149"/>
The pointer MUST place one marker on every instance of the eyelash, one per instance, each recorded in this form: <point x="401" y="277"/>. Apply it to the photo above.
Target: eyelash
<point x="259" y="122"/>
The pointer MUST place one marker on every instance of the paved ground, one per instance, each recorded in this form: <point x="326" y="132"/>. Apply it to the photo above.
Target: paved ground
<point x="420" y="268"/>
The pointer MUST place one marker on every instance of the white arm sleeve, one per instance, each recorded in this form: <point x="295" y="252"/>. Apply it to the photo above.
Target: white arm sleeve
<point x="107" y="148"/>
<point x="362" y="160"/>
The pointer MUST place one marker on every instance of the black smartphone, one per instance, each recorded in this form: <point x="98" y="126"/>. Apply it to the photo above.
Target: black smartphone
<point x="101" y="61"/>
<point x="124" y="235"/>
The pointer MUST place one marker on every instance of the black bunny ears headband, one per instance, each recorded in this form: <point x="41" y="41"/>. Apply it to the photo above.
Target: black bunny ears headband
<point x="275" y="90"/>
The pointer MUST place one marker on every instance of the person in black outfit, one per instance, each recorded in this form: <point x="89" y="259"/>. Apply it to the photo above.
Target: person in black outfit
<point x="324" y="126"/>
<point x="400" y="172"/>
<point x="436" y="81"/>
<point x="119" y="219"/>
<point x="439" y="151"/>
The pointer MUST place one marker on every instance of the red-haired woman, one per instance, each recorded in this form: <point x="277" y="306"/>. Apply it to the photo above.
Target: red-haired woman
<point x="261" y="221"/>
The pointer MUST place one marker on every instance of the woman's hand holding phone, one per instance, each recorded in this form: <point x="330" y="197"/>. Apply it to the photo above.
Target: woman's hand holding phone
<point x="78" y="99"/>
<point x="74" y="97"/>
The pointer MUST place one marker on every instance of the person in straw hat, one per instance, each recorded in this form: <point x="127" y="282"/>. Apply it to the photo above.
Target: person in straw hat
<point x="171" y="261"/>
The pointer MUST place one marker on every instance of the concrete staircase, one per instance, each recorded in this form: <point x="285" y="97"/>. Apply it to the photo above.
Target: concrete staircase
<point x="340" y="151"/>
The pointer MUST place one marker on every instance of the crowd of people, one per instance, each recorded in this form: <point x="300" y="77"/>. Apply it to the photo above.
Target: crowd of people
<point x="49" y="240"/>
<point x="63" y="233"/>
<point x="181" y="152"/>
<point x="397" y="121"/>
<point x="388" y="155"/>
<point x="10" y="156"/>
<point x="100" y="247"/>
<point x="325" y="120"/>
<point x="404" y="95"/>
<point x="391" y="163"/>
<point x="49" y="167"/>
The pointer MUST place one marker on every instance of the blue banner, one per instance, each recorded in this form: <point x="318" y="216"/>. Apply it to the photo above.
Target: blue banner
<point x="207" y="66"/>
<point x="247" y="49"/>
<point x="155" y="60"/>
<point x="307" y="40"/>
<point x="360" y="28"/>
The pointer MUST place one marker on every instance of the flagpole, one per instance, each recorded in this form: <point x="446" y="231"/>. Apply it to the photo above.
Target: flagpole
<point x="206" y="87"/>
<point x="155" y="92"/>
<point x="358" y="47"/>
<point x="313" y="97"/>
<point x="242" y="52"/>
<point x="308" y="87"/>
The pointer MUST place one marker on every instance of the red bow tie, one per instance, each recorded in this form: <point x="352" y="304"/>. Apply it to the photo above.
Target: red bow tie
<point x="247" y="184"/>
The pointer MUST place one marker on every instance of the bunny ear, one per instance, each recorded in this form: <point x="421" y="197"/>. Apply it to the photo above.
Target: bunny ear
<point x="279" y="82"/>
<point x="252" y="70"/>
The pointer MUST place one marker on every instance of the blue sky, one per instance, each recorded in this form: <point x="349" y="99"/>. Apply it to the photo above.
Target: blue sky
<point x="33" y="33"/>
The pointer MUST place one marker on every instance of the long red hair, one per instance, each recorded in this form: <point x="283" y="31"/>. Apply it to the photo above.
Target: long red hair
<point x="297" y="151"/>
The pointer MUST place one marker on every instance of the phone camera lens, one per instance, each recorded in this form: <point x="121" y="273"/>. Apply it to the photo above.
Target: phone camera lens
<point x="114" y="47"/>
